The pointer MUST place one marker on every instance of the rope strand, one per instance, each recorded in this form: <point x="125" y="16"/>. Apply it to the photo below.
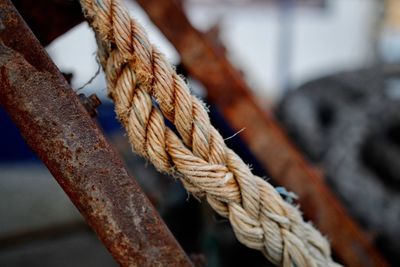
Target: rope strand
<point x="137" y="74"/>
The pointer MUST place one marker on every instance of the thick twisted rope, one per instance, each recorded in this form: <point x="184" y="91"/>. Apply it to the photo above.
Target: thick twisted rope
<point x="146" y="89"/>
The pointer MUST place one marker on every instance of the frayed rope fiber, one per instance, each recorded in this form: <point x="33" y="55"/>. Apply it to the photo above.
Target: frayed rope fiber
<point x="138" y="73"/>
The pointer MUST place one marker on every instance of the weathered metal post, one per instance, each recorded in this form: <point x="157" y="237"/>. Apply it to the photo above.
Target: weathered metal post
<point x="57" y="127"/>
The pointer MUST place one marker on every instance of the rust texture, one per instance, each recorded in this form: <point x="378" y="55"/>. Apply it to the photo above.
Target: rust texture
<point x="49" y="19"/>
<point x="90" y="103"/>
<point x="60" y="131"/>
<point x="206" y="62"/>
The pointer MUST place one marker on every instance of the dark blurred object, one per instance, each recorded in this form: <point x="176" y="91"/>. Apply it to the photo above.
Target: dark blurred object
<point x="349" y="123"/>
<point x="68" y="76"/>
<point x="48" y="19"/>
<point x="13" y="147"/>
<point x="78" y="249"/>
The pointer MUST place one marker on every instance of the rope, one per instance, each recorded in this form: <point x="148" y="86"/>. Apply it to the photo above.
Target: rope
<point x="146" y="90"/>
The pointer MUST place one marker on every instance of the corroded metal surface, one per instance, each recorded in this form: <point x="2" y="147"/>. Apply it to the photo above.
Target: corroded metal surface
<point x="57" y="127"/>
<point x="90" y="103"/>
<point x="263" y="135"/>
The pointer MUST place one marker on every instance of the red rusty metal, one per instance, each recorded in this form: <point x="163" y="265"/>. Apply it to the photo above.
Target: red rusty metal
<point x="90" y="103"/>
<point x="59" y="130"/>
<point x="206" y="62"/>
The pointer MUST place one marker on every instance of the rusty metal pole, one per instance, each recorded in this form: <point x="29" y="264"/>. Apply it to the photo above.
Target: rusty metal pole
<point x="56" y="126"/>
<point x="225" y="87"/>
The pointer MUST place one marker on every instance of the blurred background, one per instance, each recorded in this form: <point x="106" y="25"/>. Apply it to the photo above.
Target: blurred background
<point x="328" y="70"/>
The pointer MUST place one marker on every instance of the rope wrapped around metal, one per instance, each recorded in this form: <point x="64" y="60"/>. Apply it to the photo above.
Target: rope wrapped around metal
<point x="147" y="90"/>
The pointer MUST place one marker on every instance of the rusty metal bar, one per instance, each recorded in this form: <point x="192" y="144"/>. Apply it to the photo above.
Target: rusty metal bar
<point x="56" y="126"/>
<point x="225" y="87"/>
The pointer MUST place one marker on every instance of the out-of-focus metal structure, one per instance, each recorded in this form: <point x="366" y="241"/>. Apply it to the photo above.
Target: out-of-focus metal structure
<point x="60" y="131"/>
<point x="353" y="133"/>
<point x="226" y="89"/>
<point x="65" y="15"/>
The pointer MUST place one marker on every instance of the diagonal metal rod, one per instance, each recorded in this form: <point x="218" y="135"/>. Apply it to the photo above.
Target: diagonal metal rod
<point x="59" y="130"/>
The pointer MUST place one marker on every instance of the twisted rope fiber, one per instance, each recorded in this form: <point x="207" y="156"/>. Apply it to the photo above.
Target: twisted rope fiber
<point x="146" y="89"/>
